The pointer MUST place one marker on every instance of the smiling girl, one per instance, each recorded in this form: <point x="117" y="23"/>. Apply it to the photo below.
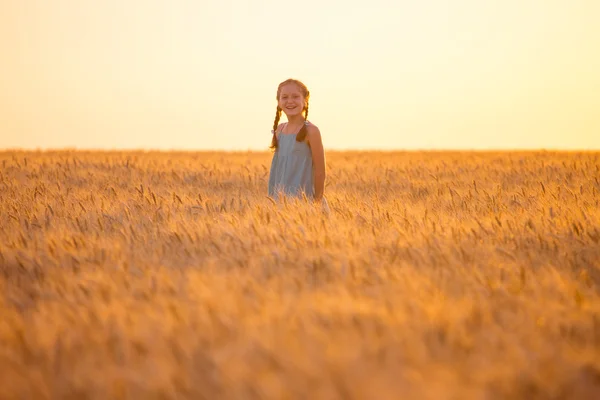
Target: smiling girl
<point x="298" y="165"/>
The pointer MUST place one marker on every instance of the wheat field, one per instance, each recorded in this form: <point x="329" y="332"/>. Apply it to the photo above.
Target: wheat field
<point x="171" y="275"/>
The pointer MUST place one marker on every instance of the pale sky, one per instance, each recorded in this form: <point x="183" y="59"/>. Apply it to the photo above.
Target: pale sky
<point x="383" y="74"/>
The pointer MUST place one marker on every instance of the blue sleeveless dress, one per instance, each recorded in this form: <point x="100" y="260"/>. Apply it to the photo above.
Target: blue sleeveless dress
<point x="291" y="168"/>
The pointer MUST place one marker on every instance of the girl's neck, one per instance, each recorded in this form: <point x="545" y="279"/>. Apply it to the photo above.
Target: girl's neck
<point x="296" y="121"/>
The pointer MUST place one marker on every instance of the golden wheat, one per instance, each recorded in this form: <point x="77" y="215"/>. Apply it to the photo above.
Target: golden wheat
<point x="150" y="275"/>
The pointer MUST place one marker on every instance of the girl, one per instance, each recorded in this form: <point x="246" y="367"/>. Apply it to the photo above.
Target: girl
<point x="298" y="165"/>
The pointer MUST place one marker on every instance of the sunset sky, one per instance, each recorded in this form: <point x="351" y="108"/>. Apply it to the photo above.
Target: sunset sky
<point x="383" y="74"/>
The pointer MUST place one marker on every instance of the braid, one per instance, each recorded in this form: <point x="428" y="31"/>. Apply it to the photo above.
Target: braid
<point x="306" y="111"/>
<point x="303" y="131"/>
<point x="275" y="125"/>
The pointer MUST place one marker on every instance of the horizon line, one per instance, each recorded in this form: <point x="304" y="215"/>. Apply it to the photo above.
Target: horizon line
<point x="267" y="150"/>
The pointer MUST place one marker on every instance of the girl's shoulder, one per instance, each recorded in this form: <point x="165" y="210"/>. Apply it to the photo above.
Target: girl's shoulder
<point x="279" y="129"/>
<point x="311" y="125"/>
<point x="312" y="130"/>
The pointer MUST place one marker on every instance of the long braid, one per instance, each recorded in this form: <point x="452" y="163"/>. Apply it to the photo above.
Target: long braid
<point x="275" y="125"/>
<point x="306" y="112"/>
<point x="303" y="131"/>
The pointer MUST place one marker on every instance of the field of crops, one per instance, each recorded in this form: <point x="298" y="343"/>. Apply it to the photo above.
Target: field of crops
<point x="435" y="275"/>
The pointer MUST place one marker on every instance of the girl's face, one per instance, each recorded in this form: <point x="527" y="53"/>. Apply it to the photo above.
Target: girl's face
<point x="291" y="100"/>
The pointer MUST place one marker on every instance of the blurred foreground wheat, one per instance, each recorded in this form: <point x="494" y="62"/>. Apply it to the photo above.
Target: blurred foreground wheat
<point x="171" y="275"/>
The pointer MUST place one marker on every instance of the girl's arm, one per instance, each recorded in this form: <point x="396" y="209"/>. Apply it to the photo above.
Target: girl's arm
<point x="318" y="156"/>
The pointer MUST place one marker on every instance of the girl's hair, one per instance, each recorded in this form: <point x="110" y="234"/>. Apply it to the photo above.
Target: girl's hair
<point x="302" y="133"/>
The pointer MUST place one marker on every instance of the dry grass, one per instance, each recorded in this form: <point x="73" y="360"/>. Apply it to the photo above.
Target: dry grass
<point x="164" y="276"/>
